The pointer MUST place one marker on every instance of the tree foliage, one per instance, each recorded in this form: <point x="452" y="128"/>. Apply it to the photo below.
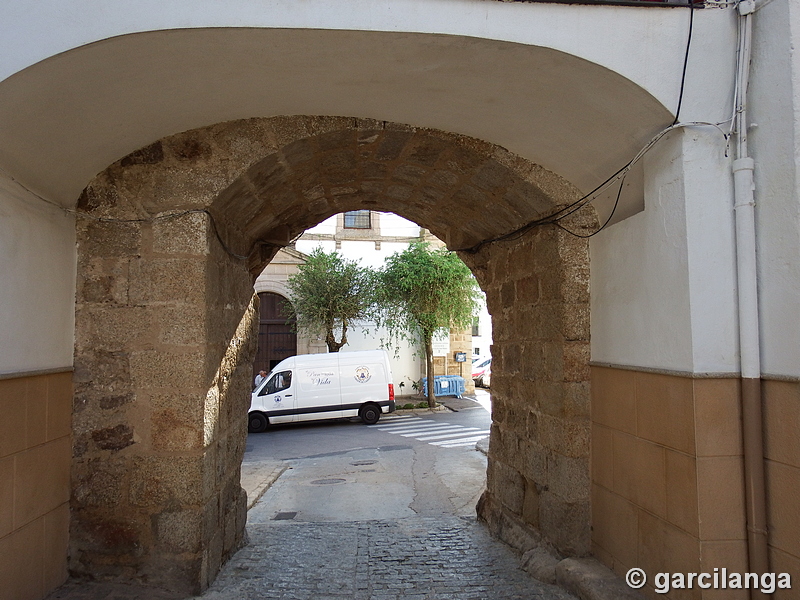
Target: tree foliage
<point x="424" y="291"/>
<point x="329" y="293"/>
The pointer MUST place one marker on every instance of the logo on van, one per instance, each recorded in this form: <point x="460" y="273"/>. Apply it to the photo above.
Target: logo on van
<point x="363" y="375"/>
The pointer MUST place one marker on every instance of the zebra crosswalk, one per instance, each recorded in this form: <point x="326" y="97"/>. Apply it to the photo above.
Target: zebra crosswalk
<point x="444" y="435"/>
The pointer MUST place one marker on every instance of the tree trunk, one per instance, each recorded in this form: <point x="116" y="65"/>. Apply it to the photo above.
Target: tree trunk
<point x="429" y="370"/>
<point x="330" y="339"/>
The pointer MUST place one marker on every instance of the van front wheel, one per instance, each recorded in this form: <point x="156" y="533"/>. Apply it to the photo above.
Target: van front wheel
<point x="256" y="422"/>
<point x="370" y="414"/>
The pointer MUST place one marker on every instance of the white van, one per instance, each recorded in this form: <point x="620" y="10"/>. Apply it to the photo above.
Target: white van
<point x="324" y="386"/>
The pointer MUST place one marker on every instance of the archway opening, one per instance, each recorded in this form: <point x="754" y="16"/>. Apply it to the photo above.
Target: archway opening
<point x="184" y="226"/>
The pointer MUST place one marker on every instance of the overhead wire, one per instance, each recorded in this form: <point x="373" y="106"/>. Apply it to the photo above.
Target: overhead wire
<point x="552" y="218"/>
<point x="620" y="174"/>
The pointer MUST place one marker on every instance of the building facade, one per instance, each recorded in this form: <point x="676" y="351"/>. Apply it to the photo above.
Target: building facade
<point x="645" y="376"/>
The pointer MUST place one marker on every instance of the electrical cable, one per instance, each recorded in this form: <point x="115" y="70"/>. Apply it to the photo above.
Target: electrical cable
<point x="685" y="61"/>
<point x="513" y="235"/>
<point x="575" y="206"/>
<point x="608" y="220"/>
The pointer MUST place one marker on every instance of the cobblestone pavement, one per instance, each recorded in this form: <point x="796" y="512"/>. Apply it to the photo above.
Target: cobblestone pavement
<point x="405" y="559"/>
<point x="439" y="558"/>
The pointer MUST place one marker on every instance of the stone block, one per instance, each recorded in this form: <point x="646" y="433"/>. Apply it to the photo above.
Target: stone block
<point x="508" y="485"/>
<point x="575" y="322"/>
<point x="175" y="431"/>
<point x="541" y="564"/>
<point x="182" y="325"/>
<point x="110" y="239"/>
<point x="114" y="329"/>
<point x="568" y="477"/>
<point x="492" y="176"/>
<point x="103" y="281"/>
<point x="338" y="167"/>
<point x="534" y="461"/>
<point x="640" y="472"/>
<point x="183" y="234"/>
<point x="7" y="484"/>
<point x="530" y="504"/>
<point x="95" y="536"/>
<point x="615" y="526"/>
<point x="392" y="144"/>
<point x="99" y="482"/>
<point x="113" y="438"/>
<point x="527" y="290"/>
<point x="575" y="284"/>
<point x="589" y="580"/>
<point x="156" y="369"/>
<point x="665" y="410"/>
<point x="717" y="407"/>
<point x="613" y="398"/>
<point x="576" y="361"/>
<point x="161" y="481"/>
<point x="565" y="524"/>
<point x="167" y="280"/>
<point x="570" y="437"/>
<point x="663" y="548"/>
<point x="179" y="531"/>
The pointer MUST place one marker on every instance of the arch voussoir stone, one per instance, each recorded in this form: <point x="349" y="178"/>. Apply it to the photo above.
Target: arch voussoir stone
<point x="171" y="240"/>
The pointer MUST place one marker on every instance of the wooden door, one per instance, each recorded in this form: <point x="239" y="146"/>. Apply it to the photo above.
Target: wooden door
<point x="276" y="336"/>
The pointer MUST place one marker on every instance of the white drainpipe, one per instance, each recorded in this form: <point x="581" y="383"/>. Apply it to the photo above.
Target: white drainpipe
<point x="749" y="346"/>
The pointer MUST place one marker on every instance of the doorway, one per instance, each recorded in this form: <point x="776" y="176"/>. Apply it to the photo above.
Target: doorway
<point x="277" y="337"/>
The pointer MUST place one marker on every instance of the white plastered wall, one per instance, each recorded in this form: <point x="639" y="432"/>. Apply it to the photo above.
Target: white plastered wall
<point x="37" y="283"/>
<point x="775" y="109"/>
<point x="663" y="281"/>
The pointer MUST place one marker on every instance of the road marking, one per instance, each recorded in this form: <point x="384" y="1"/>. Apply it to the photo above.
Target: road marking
<point x="459" y="444"/>
<point x="473" y="439"/>
<point x="469" y="431"/>
<point x="415" y="428"/>
<point x="445" y="429"/>
<point x="403" y="423"/>
<point x="446" y="435"/>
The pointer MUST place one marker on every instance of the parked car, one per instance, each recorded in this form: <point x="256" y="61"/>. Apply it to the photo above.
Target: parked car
<point x="486" y="379"/>
<point x="479" y="369"/>
<point x="324" y="386"/>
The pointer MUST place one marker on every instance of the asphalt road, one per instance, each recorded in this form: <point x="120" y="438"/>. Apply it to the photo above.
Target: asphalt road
<point x="422" y="464"/>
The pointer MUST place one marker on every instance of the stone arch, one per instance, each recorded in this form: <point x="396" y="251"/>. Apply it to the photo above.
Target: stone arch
<point x="276" y="287"/>
<point x="183" y="226"/>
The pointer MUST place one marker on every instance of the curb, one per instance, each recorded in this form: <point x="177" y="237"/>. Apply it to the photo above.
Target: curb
<point x="257" y="479"/>
<point x="588" y="579"/>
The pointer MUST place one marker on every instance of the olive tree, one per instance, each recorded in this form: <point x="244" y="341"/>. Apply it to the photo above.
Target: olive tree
<point x="329" y="293"/>
<point x="424" y="291"/>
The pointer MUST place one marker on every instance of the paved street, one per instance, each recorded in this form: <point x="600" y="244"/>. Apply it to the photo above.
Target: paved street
<point x="381" y="512"/>
<point x="444" y="558"/>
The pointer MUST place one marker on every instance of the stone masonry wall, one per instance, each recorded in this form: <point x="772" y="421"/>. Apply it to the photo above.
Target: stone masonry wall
<point x="538" y="474"/>
<point x="164" y="336"/>
<point x="169" y="242"/>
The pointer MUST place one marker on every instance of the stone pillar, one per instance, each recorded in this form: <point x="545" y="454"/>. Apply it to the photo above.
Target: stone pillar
<point x="165" y="323"/>
<point x="538" y="473"/>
